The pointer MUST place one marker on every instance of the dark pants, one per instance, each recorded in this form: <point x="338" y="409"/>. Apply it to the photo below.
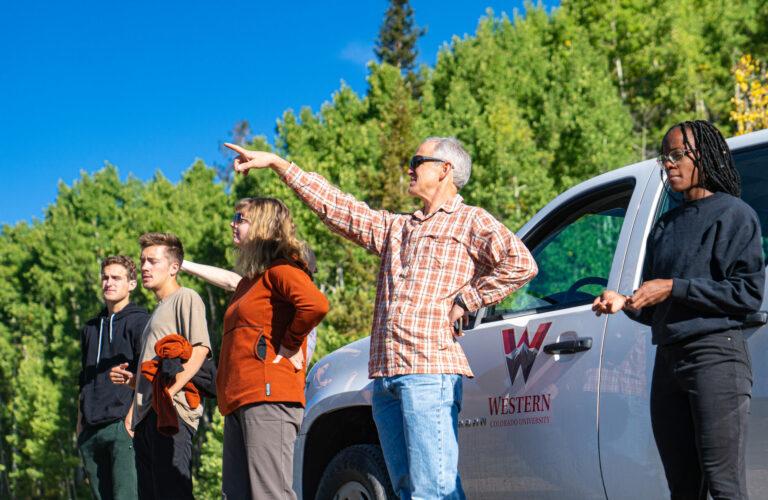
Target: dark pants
<point x="258" y="451"/>
<point x="699" y="404"/>
<point x="163" y="463"/>
<point x="107" y="452"/>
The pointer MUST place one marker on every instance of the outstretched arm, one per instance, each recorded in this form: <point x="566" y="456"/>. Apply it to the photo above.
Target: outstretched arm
<point x="340" y="211"/>
<point x="228" y="280"/>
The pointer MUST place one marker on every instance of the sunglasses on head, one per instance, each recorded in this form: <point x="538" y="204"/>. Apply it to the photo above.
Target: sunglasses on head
<point x="238" y="218"/>
<point x="418" y="160"/>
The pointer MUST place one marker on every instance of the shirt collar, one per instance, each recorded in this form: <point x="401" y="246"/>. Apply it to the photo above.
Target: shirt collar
<point x="449" y="207"/>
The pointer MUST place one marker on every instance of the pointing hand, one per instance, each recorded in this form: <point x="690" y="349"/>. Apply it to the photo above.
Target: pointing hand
<point x="247" y="160"/>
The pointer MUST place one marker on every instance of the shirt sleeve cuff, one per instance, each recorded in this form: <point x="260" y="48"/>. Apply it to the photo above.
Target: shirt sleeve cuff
<point x="292" y="341"/>
<point x="680" y="288"/>
<point x="632" y="313"/>
<point x="472" y="299"/>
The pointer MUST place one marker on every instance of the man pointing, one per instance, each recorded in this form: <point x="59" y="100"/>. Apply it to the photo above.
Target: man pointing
<point x="437" y="264"/>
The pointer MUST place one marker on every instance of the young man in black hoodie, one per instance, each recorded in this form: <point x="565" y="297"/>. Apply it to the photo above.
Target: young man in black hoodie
<point x="111" y="338"/>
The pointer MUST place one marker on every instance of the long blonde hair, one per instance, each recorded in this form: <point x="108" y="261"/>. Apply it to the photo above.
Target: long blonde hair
<point x="271" y="236"/>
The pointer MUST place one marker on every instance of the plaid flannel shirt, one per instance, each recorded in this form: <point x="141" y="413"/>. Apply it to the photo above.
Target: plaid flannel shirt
<point x="426" y="260"/>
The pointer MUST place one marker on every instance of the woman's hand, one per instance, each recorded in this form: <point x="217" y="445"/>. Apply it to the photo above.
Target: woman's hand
<point x="295" y="357"/>
<point x="609" y="302"/>
<point x="247" y="160"/>
<point x="651" y="293"/>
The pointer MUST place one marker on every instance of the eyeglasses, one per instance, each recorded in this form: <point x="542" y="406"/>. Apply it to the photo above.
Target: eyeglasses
<point x="674" y="156"/>
<point x="418" y="160"/>
<point x="238" y="218"/>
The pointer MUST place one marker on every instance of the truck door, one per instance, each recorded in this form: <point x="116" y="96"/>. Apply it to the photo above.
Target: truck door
<point x="528" y="427"/>
<point x="630" y="461"/>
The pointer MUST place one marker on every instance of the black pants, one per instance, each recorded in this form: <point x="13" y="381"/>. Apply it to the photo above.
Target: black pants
<point x="163" y="463"/>
<point x="699" y="405"/>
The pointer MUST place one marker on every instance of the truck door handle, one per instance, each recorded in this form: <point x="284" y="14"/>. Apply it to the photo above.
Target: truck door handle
<point x="569" y="346"/>
<point x="756" y="319"/>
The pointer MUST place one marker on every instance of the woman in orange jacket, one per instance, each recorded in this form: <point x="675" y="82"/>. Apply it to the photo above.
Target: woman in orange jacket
<point x="261" y="374"/>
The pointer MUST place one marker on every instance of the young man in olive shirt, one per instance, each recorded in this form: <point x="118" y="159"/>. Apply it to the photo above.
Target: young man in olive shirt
<point x="163" y="463"/>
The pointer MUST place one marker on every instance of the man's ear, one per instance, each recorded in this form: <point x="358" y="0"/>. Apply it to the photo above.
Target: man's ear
<point x="447" y="167"/>
<point x="132" y="285"/>
<point x="175" y="266"/>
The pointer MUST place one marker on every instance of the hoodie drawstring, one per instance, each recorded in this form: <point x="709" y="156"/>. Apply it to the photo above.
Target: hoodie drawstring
<point x="98" y="353"/>
<point x="110" y="327"/>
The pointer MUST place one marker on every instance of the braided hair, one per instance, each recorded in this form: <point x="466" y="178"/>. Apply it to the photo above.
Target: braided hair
<point x="711" y="157"/>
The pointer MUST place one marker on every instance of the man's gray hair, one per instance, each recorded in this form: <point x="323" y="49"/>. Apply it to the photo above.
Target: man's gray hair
<point x="451" y="150"/>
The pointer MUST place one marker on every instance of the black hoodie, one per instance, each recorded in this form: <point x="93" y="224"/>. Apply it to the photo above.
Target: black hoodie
<point x="108" y="340"/>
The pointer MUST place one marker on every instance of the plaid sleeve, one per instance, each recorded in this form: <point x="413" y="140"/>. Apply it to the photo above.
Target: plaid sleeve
<point x="504" y="263"/>
<point x="341" y="212"/>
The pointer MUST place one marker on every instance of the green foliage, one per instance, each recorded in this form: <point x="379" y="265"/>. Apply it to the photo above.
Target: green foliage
<point x="541" y="101"/>
<point x="671" y="59"/>
<point x="207" y="480"/>
<point x="51" y="288"/>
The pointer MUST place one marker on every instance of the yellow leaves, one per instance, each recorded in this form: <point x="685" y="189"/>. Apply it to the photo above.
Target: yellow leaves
<point x="750" y="100"/>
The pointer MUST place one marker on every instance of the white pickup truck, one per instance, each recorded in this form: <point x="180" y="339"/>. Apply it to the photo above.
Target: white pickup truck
<point x="559" y="406"/>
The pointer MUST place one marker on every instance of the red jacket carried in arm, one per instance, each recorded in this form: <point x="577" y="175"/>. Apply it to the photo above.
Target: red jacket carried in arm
<point x="169" y="347"/>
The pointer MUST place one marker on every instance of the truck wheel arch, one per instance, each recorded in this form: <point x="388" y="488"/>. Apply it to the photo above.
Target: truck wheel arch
<point x="328" y="435"/>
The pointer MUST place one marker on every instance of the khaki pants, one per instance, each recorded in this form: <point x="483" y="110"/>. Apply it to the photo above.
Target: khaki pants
<point x="258" y="451"/>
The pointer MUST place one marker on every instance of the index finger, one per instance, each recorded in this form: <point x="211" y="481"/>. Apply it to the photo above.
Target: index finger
<point x="237" y="149"/>
<point x="637" y="300"/>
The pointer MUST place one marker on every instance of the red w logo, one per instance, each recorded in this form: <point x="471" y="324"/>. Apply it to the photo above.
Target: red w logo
<point x="521" y="356"/>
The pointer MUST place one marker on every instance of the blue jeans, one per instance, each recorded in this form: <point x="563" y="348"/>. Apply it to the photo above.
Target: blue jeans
<point x="417" y="418"/>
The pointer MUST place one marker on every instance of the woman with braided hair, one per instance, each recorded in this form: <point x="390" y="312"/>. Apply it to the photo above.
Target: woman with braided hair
<point x="703" y="273"/>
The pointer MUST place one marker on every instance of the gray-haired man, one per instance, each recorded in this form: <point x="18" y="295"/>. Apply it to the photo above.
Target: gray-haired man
<point x="437" y="264"/>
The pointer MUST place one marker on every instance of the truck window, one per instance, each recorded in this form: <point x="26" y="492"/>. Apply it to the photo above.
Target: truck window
<point x="754" y="185"/>
<point x="574" y="253"/>
<point x="751" y="164"/>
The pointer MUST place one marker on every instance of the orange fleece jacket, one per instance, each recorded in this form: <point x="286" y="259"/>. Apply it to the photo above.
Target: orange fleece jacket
<point x="277" y="308"/>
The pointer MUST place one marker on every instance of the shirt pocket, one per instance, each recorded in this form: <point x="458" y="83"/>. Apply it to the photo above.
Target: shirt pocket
<point x="442" y="265"/>
<point x="243" y="346"/>
<point x="436" y="251"/>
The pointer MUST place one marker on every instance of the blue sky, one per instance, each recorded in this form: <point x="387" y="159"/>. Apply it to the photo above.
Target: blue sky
<point x="152" y="86"/>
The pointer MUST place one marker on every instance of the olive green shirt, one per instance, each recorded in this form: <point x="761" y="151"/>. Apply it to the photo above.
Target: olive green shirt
<point x="183" y="313"/>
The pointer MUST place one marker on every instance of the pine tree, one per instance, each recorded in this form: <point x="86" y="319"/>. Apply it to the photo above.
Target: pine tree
<point x="397" y="41"/>
<point x="241" y="135"/>
<point x="394" y="110"/>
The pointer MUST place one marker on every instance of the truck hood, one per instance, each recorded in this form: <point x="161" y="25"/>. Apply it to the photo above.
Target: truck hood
<point x="338" y="380"/>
